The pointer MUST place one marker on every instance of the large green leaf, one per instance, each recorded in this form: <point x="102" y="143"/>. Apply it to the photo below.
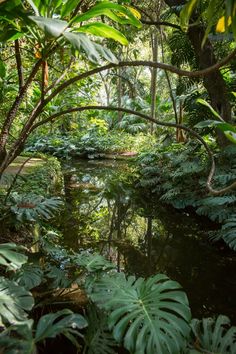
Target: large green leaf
<point x="148" y="316"/>
<point x="118" y="13"/>
<point x="32" y="207"/>
<point x="51" y="26"/>
<point x="58" y="277"/>
<point x="10" y="256"/>
<point x="103" y="30"/>
<point x="14" y="302"/>
<point x="228" y="129"/>
<point x="62" y="322"/>
<point x="29" y="276"/>
<point x="22" y="343"/>
<point x="213" y="111"/>
<point x="214" y="336"/>
<point x="92" y="262"/>
<point x="68" y="7"/>
<point x="92" y="50"/>
<point x="187" y="11"/>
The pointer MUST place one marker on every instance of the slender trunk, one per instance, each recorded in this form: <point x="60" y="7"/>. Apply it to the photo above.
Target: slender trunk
<point x="4" y="135"/>
<point x="153" y="88"/>
<point x="120" y="88"/>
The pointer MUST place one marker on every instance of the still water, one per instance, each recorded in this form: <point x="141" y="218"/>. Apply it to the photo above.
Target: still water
<point x="108" y="213"/>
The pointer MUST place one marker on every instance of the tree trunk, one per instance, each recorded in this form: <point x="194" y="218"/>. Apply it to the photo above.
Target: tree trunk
<point x="214" y="82"/>
<point x="153" y="88"/>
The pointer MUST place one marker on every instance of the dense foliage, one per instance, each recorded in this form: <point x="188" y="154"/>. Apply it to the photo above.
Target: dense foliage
<point x="95" y="79"/>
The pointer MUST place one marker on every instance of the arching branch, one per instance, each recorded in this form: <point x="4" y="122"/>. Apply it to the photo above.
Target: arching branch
<point x="157" y="122"/>
<point x="171" y="68"/>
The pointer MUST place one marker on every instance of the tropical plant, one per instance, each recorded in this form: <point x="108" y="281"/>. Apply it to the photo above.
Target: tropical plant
<point x="15" y="301"/>
<point x="141" y="309"/>
<point x="213" y="336"/>
<point x="32" y="208"/>
<point x="11" y="256"/>
<point x="46" y="28"/>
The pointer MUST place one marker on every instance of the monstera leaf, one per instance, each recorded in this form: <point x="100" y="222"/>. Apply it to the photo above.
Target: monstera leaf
<point x="148" y="316"/>
<point x="92" y="262"/>
<point x="32" y="208"/>
<point x="62" y="322"/>
<point x="29" y="276"/>
<point x="14" y="302"/>
<point x="214" y="336"/>
<point x="10" y="257"/>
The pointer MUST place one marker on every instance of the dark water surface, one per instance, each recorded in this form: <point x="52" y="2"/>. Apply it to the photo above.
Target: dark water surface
<point x="108" y="214"/>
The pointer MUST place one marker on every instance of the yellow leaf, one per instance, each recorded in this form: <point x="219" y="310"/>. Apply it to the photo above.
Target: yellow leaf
<point x="135" y="12"/>
<point x="38" y="55"/>
<point x="220" y="27"/>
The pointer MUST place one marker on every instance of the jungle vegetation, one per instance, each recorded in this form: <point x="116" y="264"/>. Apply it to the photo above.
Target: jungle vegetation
<point x="93" y="79"/>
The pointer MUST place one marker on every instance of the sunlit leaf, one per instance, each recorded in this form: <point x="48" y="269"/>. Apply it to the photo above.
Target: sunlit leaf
<point x="10" y="256"/>
<point x="51" y="26"/>
<point x="213" y="111"/>
<point x="187" y="12"/>
<point x="103" y="30"/>
<point x="93" y="51"/>
<point x="14" y="302"/>
<point x="118" y="13"/>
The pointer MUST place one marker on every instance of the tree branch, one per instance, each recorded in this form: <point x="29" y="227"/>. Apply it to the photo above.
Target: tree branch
<point x="40" y="106"/>
<point x="19" y="64"/>
<point x="163" y="66"/>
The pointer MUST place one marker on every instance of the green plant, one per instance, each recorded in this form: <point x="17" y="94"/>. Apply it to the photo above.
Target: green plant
<point x="213" y="336"/>
<point x="142" y="312"/>
<point x="11" y="256"/>
<point x="32" y="208"/>
<point x="15" y="301"/>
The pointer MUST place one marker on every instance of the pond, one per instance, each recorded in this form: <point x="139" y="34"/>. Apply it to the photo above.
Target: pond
<point x="108" y="213"/>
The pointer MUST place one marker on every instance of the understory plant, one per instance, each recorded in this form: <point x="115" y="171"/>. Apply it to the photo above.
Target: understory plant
<point x="92" y="143"/>
<point x="143" y="315"/>
<point x="177" y="175"/>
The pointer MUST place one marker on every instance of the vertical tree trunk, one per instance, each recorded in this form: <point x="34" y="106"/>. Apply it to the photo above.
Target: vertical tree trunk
<point x="119" y="88"/>
<point x="153" y="88"/>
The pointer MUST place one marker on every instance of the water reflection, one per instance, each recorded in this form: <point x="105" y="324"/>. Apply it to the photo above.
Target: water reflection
<point x="106" y="213"/>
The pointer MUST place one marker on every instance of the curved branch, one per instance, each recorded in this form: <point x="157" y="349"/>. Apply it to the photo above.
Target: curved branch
<point x="157" y="122"/>
<point x="152" y="64"/>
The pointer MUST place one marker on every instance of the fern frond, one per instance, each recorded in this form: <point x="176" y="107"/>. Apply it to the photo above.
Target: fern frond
<point x="229" y="232"/>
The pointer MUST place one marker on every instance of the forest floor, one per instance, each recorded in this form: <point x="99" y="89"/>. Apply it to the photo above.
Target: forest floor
<point x="29" y="165"/>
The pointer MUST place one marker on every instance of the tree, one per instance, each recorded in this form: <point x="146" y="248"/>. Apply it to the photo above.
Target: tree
<point x="46" y="31"/>
<point x="48" y="36"/>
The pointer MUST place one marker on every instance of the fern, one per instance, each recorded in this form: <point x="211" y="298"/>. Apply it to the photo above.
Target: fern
<point x="218" y="201"/>
<point x="187" y="168"/>
<point x="214" y="213"/>
<point x="229" y="232"/>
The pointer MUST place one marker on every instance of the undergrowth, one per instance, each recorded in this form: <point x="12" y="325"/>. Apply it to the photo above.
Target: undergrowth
<point x="177" y="176"/>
